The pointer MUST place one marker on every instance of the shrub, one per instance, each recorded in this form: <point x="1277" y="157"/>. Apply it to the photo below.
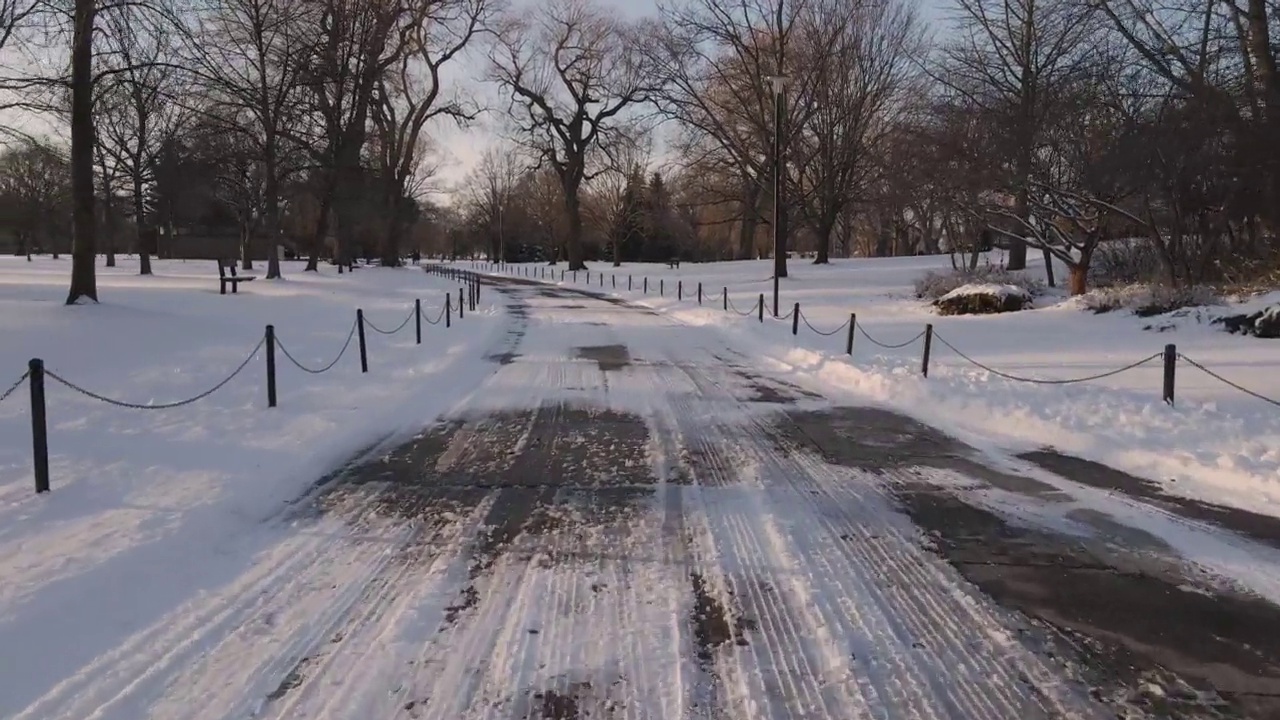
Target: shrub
<point x="1148" y="300"/>
<point x="1125" y="262"/>
<point x="983" y="299"/>
<point x="934" y="285"/>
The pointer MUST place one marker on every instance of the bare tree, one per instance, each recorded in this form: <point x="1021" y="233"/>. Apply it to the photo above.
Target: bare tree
<point x="249" y="56"/>
<point x="489" y="194"/>
<point x="573" y="71"/>
<point x="135" y="113"/>
<point x="863" y="76"/>
<point x="1014" y="58"/>
<point x="84" y="282"/>
<point x="716" y="58"/>
<point x="410" y="96"/>
<point x="33" y="194"/>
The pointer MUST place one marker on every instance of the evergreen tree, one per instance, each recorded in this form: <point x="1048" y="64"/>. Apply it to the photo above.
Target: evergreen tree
<point x="627" y="236"/>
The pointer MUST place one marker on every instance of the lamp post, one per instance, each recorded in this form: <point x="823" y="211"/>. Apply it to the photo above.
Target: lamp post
<point x="779" y="214"/>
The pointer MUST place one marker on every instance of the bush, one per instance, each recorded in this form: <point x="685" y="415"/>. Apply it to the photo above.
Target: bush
<point x="983" y="299"/>
<point x="934" y="285"/>
<point x="1125" y="262"/>
<point x="1264" y="324"/>
<point x="1148" y="300"/>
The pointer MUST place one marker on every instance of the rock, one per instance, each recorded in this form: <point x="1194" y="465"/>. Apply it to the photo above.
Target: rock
<point x="983" y="299"/>
<point x="1264" y="324"/>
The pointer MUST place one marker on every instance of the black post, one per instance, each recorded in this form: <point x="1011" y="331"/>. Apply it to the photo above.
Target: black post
<point x="39" y="427"/>
<point x="417" y="320"/>
<point x="271" y="366"/>
<point x="364" y="353"/>
<point x="775" y="295"/>
<point x="1170" y="370"/>
<point x="646" y="284"/>
<point x="448" y="309"/>
<point x="680" y="290"/>
<point x="848" y="343"/>
<point x="460" y="310"/>
<point x="628" y="283"/>
<point x="662" y="284"/>
<point x="724" y="295"/>
<point x="614" y="280"/>
<point x="795" y="319"/>
<point x="760" y="305"/>
<point x="928" y="346"/>
<point x="699" y="293"/>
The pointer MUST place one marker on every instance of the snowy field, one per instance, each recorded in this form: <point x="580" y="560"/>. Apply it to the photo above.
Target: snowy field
<point x="1217" y="444"/>
<point x="132" y="487"/>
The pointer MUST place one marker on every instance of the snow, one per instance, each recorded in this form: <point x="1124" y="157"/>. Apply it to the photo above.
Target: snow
<point x="1217" y="444"/>
<point x="139" y="495"/>
<point x="1001" y="291"/>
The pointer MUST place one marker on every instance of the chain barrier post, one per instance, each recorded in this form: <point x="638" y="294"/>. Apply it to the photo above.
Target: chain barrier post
<point x="848" y="343"/>
<point x="1170" y="371"/>
<point x="680" y="290"/>
<point x="271" y="366"/>
<point x="628" y="282"/>
<point x="699" y="293"/>
<point x="645" y="291"/>
<point x="614" y="279"/>
<point x="724" y="296"/>
<point x="460" y="310"/>
<point x="928" y="346"/>
<point x="760" y="305"/>
<point x="364" y="355"/>
<point x="662" y="285"/>
<point x="39" y="427"/>
<point x="795" y="319"/>
<point x="448" y="309"/>
<point x="417" y="320"/>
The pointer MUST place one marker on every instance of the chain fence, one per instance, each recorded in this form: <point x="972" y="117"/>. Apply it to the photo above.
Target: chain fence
<point x="159" y="406"/>
<point x="328" y="366"/>
<point x="928" y="335"/>
<point x="14" y="387"/>
<point x="38" y="376"/>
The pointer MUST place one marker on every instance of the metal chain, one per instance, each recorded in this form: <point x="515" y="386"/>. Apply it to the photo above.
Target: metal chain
<point x="1221" y="379"/>
<point x="887" y="346"/>
<point x="1041" y="381"/>
<point x="843" y="325"/>
<point x="159" y="406"/>
<point x="284" y="351"/>
<point x="14" y="387"/>
<point x="437" y="321"/>
<point x="748" y="313"/>
<point x="380" y="331"/>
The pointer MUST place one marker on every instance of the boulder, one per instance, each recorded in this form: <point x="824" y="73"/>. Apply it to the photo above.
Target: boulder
<point x="983" y="299"/>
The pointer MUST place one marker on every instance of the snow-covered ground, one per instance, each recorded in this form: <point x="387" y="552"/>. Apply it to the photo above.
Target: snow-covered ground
<point x="133" y="488"/>
<point x="1217" y="444"/>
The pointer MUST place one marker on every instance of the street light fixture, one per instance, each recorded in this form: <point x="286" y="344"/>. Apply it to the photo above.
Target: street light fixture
<point x="779" y="215"/>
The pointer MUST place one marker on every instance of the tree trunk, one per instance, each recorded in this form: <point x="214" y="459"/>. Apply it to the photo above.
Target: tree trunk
<point x="271" y="191"/>
<point x="246" y="247"/>
<point x="395" y="224"/>
<point x="750" y="210"/>
<point x="1078" y="278"/>
<point x="84" y="282"/>
<point x="573" y="244"/>
<point x="1048" y="267"/>
<point x="322" y="227"/>
<point x="825" y="229"/>
<point x="140" y="225"/>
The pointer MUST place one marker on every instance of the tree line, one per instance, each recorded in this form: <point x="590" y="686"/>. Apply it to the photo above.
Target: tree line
<point x="1054" y="126"/>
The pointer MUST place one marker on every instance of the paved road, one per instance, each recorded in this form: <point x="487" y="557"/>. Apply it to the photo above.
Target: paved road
<point x="628" y="520"/>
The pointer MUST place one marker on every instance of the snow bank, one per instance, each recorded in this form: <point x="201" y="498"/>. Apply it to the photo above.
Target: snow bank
<point x="1217" y="444"/>
<point x="997" y="290"/>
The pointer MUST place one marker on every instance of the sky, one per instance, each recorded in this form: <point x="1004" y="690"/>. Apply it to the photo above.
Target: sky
<point x="459" y="148"/>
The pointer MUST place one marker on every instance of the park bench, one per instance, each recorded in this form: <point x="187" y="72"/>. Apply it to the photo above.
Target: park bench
<point x="673" y="263"/>
<point x="227" y="276"/>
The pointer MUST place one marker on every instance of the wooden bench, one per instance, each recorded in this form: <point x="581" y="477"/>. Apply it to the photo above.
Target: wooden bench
<point x="673" y="263"/>
<point x="227" y="276"/>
